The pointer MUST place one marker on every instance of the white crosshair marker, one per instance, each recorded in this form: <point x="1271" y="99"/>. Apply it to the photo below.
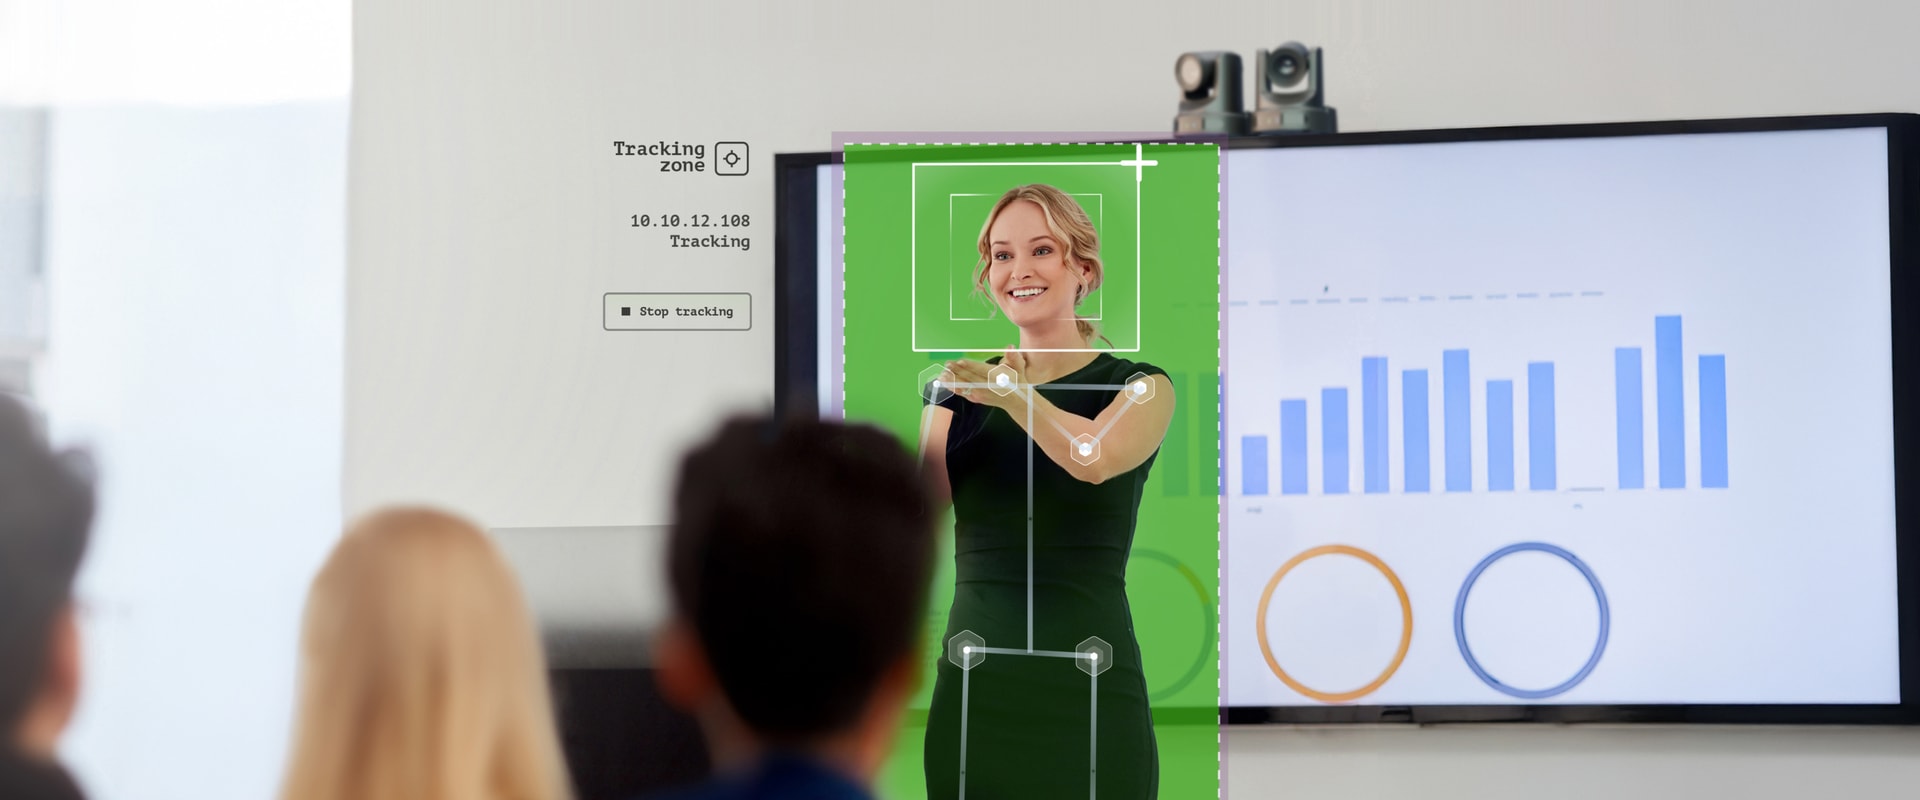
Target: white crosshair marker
<point x="1085" y="449"/>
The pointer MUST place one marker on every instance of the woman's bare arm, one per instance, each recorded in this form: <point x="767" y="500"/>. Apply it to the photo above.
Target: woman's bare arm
<point x="934" y="422"/>
<point x="1120" y="438"/>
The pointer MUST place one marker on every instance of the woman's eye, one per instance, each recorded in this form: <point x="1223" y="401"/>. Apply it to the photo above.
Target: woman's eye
<point x="1002" y="256"/>
<point x="1043" y="251"/>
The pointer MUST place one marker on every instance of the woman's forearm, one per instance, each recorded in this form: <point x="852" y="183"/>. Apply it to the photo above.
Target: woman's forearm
<point x="1058" y="433"/>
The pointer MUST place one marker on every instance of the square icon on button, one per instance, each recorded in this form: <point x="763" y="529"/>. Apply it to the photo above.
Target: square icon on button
<point x="730" y="158"/>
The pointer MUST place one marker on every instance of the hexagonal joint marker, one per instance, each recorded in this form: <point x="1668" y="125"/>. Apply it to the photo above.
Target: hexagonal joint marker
<point x="931" y="388"/>
<point x="1085" y="449"/>
<point x="1139" y="388"/>
<point x="1002" y="379"/>
<point x="966" y="650"/>
<point x="1096" y="656"/>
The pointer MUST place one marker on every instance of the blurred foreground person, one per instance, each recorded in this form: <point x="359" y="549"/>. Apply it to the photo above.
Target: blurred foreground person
<point x="421" y="672"/>
<point x="46" y="512"/>
<point x="799" y="562"/>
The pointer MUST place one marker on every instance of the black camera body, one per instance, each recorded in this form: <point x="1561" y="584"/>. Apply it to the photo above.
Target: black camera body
<point x="1210" y="99"/>
<point x="1290" y="96"/>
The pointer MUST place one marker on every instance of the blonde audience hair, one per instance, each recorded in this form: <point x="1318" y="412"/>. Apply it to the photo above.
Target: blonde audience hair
<point x="421" y="670"/>
<point x="1069" y="224"/>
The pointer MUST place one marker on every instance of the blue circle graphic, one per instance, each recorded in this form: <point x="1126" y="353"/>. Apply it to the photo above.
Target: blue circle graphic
<point x="1460" y="620"/>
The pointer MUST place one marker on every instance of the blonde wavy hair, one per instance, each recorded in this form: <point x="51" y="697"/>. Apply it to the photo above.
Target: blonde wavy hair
<point x="1069" y="224"/>
<point x="421" y="670"/>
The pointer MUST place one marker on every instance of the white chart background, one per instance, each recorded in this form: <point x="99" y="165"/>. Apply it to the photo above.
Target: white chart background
<point x="1772" y="247"/>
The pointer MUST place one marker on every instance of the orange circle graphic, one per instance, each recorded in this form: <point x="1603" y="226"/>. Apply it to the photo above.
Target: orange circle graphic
<point x="1406" y="623"/>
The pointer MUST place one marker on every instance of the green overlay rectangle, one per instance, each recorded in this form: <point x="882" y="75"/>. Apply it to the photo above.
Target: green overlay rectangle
<point x="913" y="215"/>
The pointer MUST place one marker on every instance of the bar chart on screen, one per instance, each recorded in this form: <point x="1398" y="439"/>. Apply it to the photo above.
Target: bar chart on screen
<point x="1436" y="428"/>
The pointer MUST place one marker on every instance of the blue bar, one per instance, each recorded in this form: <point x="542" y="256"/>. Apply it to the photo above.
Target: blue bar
<point x="1413" y="407"/>
<point x="1500" y="436"/>
<point x="1174" y="465"/>
<point x="1459" y="427"/>
<point x="1671" y="395"/>
<point x="1540" y="450"/>
<point x="1713" y="422"/>
<point x="1630" y="417"/>
<point x="1293" y="447"/>
<point x="1373" y="422"/>
<point x="1253" y="465"/>
<point x="1333" y="441"/>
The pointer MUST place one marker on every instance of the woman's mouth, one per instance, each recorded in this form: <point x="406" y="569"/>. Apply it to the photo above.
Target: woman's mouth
<point x="1026" y="293"/>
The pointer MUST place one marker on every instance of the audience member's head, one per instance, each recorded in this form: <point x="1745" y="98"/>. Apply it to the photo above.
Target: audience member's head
<point x="421" y="672"/>
<point x="799" y="562"/>
<point x="46" y="510"/>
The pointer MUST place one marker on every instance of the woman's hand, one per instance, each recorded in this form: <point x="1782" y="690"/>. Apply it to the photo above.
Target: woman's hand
<point x="981" y="375"/>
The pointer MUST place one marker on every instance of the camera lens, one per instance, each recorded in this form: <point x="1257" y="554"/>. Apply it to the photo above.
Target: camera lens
<point x="1287" y="65"/>
<point x="1192" y="72"/>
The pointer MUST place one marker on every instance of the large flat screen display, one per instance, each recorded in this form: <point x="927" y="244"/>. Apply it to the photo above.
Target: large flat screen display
<point x="1600" y="420"/>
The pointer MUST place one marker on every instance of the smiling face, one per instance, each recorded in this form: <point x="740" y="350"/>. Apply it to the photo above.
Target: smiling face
<point x="1029" y="273"/>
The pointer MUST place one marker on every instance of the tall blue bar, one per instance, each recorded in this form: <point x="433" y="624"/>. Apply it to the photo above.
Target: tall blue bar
<point x="1333" y="441"/>
<point x="1293" y="447"/>
<point x="1413" y="408"/>
<point x="1713" y="422"/>
<point x="1373" y="423"/>
<point x="1253" y="466"/>
<point x="1671" y="394"/>
<point x="1500" y="436"/>
<point x="1459" y="428"/>
<point x="1541" y="474"/>
<point x="1629" y="417"/>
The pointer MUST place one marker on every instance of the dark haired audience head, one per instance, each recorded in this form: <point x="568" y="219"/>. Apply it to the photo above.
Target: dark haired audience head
<point x="46" y="511"/>
<point x="799" y="562"/>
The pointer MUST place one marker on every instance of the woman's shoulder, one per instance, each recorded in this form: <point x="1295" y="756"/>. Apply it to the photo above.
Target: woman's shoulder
<point x="1119" y="369"/>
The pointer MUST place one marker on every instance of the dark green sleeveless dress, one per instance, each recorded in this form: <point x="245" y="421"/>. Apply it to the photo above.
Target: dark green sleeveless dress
<point x="1031" y="726"/>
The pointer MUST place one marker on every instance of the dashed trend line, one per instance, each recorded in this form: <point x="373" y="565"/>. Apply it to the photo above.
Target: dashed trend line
<point x="1424" y="298"/>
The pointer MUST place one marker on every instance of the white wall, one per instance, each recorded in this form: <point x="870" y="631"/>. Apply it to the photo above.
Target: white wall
<point x="485" y="213"/>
